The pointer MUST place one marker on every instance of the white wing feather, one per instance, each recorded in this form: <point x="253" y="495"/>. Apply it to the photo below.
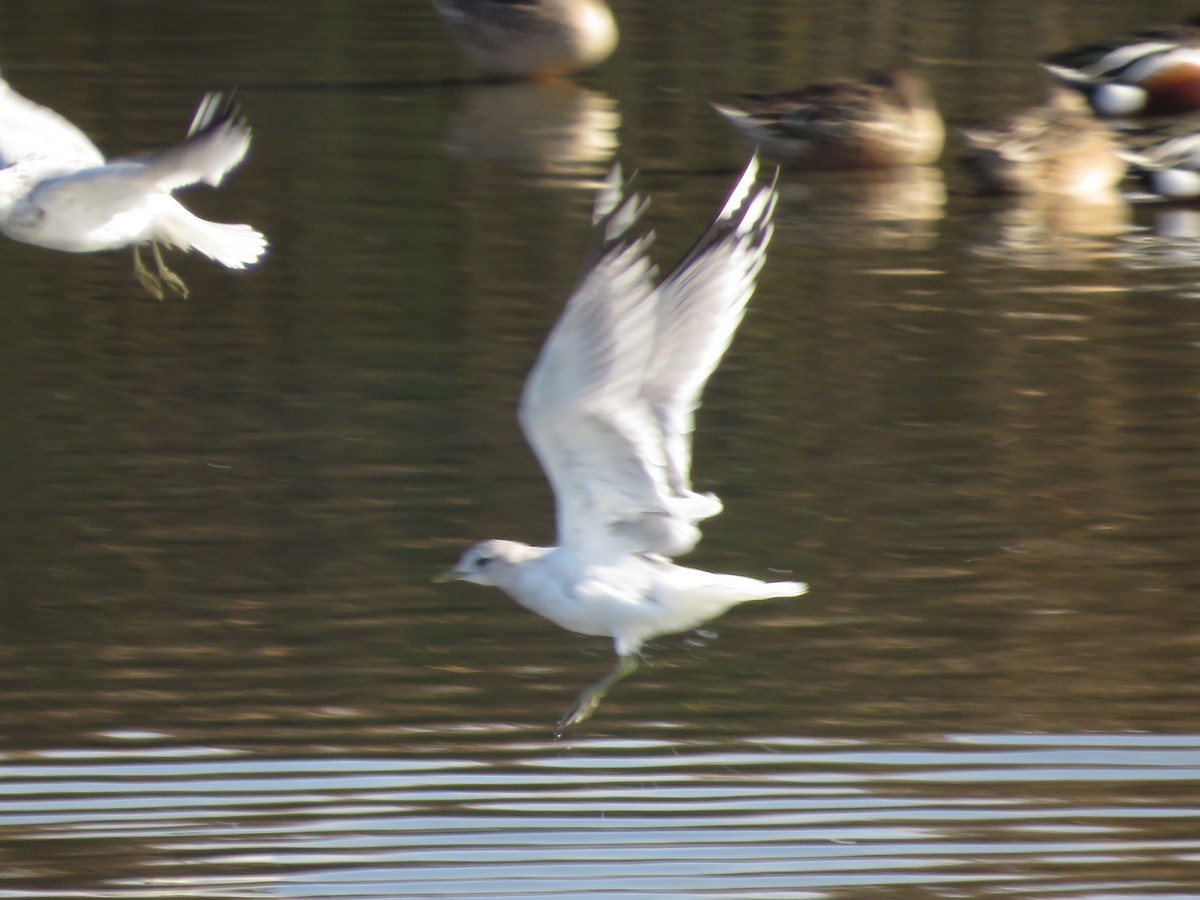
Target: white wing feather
<point x="700" y="306"/>
<point x="30" y="131"/>
<point x="580" y="409"/>
<point x="608" y="407"/>
<point x="217" y="141"/>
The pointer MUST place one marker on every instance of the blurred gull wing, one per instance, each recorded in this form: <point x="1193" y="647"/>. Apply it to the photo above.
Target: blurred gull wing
<point x="581" y="409"/>
<point x="700" y="305"/>
<point x="609" y="405"/>
<point x="216" y="142"/>
<point x="30" y="131"/>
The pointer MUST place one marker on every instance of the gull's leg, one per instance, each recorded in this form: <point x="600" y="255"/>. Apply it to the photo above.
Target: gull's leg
<point x="586" y="703"/>
<point x="149" y="280"/>
<point x="169" y="278"/>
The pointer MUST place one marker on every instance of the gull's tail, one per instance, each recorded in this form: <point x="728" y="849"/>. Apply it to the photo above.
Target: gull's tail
<point x="720" y="592"/>
<point x="786" y="589"/>
<point x="685" y="598"/>
<point x="767" y="590"/>
<point x="235" y="246"/>
<point x="715" y="592"/>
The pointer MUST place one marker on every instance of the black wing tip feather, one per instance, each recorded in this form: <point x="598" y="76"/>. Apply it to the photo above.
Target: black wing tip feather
<point x="218" y="109"/>
<point x="615" y="214"/>
<point x="749" y="209"/>
<point x="618" y="209"/>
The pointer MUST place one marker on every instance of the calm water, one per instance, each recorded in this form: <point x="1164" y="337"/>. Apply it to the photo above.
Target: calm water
<point x="974" y="428"/>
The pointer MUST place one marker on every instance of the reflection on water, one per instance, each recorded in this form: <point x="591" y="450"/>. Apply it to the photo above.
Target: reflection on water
<point x="1174" y="223"/>
<point x="775" y="817"/>
<point x="226" y="672"/>
<point x="1053" y="230"/>
<point x="898" y="208"/>
<point x="550" y="129"/>
<point x="1166" y="236"/>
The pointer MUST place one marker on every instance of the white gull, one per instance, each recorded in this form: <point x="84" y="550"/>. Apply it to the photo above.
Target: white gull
<point x="58" y="191"/>
<point x="609" y="409"/>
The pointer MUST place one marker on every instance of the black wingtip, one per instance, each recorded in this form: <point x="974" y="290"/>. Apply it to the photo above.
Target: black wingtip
<point x="617" y="213"/>
<point x="749" y="210"/>
<point x="217" y="109"/>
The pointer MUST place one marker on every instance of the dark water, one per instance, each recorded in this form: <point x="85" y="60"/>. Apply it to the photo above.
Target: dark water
<point x="973" y="428"/>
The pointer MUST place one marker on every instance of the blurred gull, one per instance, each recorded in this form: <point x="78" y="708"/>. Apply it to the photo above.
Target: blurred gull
<point x="57" y="190"/>
<point x="608" y="409"/>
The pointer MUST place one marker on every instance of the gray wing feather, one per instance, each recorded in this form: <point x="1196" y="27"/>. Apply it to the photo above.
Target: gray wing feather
<point x="700" y="306"/>
<point x="580" y="408"/>
<point x="217" y="141"/>
<point x="608" y="407"/>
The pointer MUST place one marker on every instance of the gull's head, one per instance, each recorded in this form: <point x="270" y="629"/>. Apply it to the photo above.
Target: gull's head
<point x="489" y="563"/>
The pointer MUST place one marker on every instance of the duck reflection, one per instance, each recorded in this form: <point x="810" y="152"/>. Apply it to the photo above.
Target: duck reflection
<point x="1167" y="237"/>
<point x="1177" y="223"/>
<point x="1054" y="230"/>
<point x="897" y="208"/>
<point x="1165" y="166"/>
<point x="555" y="129"/>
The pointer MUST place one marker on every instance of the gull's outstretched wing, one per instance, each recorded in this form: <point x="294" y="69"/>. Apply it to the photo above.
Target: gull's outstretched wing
<point x="699" y="307"/>
<point x="608" y="406"/>
<point x="217" y="140"/>
<point x="581" y="409"/>
<point x="30" y="131"/>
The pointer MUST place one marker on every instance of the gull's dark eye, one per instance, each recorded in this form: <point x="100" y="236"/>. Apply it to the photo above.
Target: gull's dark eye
<point x="482" y="561"/>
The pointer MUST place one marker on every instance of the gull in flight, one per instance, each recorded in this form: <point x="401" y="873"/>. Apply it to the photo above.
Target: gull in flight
<point x="58" y="191"/>
<point x="608" y="409"/>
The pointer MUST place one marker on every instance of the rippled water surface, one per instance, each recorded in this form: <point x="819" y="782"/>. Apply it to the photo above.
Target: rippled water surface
<point x="972" y="426"/>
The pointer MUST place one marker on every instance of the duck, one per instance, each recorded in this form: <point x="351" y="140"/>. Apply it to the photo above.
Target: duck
<point x="1145" y="75"/>
<point x="532" y="38"/>
<point x="57" y="190"/>
<point x="888" y="119"/>
<point x="1056" y="147"/>
<point x="1170" y="166"/>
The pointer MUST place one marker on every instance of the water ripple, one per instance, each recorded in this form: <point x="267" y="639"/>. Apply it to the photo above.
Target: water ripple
<point x="1067" y="815"/>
